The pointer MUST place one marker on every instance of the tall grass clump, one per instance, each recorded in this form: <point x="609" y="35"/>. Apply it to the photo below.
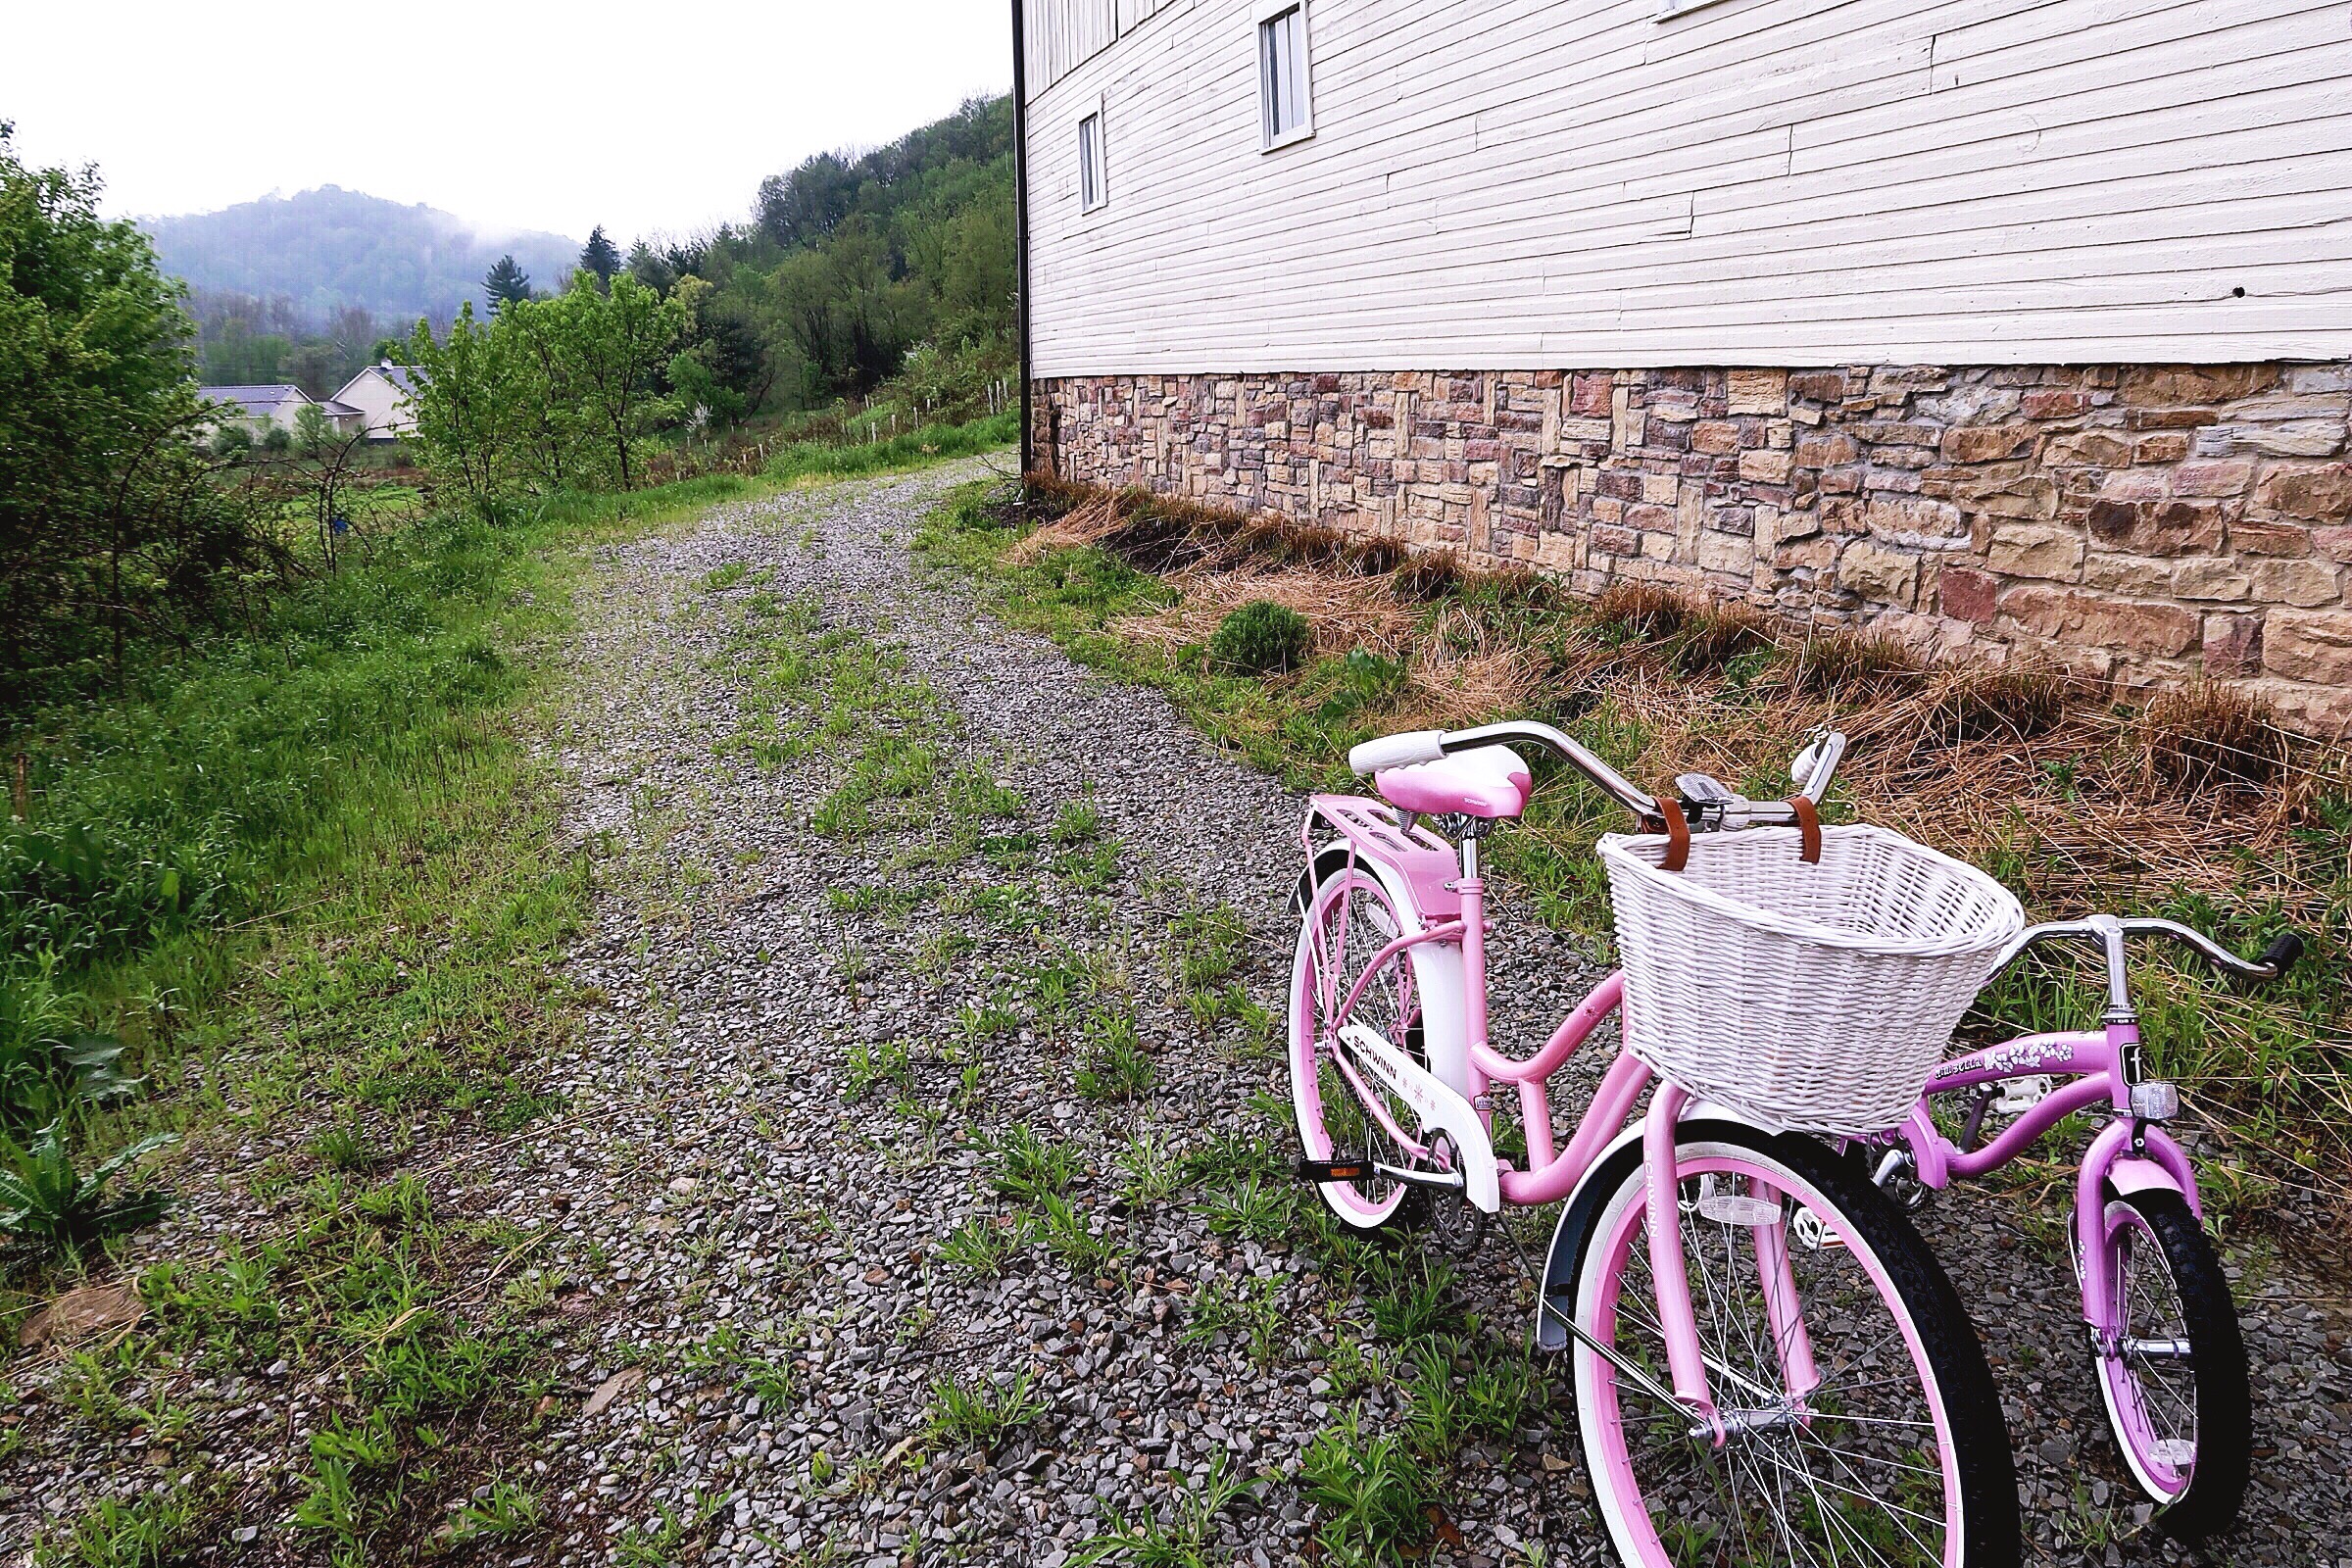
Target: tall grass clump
<point x="932" y="443"/>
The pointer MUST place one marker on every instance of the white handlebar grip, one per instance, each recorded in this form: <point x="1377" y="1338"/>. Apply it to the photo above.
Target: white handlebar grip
<point x="1396" y="751"/>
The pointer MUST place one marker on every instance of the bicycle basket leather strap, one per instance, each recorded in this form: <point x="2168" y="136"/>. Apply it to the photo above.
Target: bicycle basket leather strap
<point x="1808" y="827"/>
<point x="1678" y="835"/>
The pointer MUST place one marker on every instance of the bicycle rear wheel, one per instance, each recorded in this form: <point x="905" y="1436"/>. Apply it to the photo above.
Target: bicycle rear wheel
<point x="2175" y="1379"/>
<point x="1348" y="920"/>
<point x="1861" y="1422"/>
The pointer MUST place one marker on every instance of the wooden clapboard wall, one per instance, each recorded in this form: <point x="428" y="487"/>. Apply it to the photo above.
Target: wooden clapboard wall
<point x="1560" y="183"/>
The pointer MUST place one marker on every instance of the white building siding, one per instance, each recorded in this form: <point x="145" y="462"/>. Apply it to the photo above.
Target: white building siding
<point x="1540" y="184"/>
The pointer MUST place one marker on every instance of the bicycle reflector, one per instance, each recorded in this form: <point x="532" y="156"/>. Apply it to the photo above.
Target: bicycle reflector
<point x="2156" y="1102"/>
<point x="1333" y="1170"/>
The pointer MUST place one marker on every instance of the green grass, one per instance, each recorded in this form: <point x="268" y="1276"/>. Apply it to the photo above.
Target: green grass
<point x="313" y="866"/>
<point x="932" y="443"/>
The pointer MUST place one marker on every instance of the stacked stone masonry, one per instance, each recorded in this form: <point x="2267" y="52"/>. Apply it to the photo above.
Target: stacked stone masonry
<point x="2135" y="525"/>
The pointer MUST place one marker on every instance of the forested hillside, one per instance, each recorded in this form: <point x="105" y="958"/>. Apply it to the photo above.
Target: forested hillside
<point x="855" y="270"/>
<point x="330" y="250"/>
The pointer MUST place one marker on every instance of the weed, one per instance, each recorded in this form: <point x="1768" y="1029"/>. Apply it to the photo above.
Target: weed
<point x="148" y="1530"/>
<point x="2016" y="702"/>
<point x="870" y="1064"/>
<point x="1641" y="611"/>
<point x="2205" y="737"/>
<point x="1073" y="1240"/>
<point x="1426" y="579"/>
<point x="1260" y="638"/>
<point x="723" y="577"/>
<point x="1188" y="1538"/>
<point x="343" y="1147"/>
<point x="510" y="1510"/>
<point x="46" y="1204"/>
<point x="1111" y="1064"/>
<point x="1078" y="822"/>
<point x="1260" y="1207"/>
<point x="1030" y="1168"/>
<point x="1152" y="1173"/>
<point x="1851" y="665"/>
<point x="984" y="1248"/>
<point x="1711" y="639"/>
<point x="1372" y="1492"/>
<point x="981" y="1414"/>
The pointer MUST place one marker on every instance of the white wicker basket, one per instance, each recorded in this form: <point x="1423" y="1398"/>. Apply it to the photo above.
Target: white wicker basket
<point x="1817" y="998"/>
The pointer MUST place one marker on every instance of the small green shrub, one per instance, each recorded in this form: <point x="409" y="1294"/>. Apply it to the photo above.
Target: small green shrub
<point x="1260" y="638"/>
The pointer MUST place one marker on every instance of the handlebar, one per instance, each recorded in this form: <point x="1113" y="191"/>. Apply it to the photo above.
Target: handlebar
<point x="2111" y="932"/>
<point x="1708" y="805"/>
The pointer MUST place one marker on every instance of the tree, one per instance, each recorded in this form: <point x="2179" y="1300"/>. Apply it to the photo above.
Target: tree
<point x="111" y="525"/>
<point x="506" y="283"/>
<point x="600" y="257"/>
<point x="616" y="343"/>
<point x="462" y="407"/>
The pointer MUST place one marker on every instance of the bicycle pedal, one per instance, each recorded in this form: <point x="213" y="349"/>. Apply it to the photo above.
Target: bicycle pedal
<point x="2020" y="1095"/>
<point x="1320" y="1171"/>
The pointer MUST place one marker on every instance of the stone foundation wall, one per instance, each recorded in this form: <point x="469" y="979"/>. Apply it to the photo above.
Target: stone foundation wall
<point x="2137" y="523"/>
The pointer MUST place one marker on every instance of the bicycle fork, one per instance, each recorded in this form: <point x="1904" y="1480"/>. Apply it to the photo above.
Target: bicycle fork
<point x="1670" y="1275"/>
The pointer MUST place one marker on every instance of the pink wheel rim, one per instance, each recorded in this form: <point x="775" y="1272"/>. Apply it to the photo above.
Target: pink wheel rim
<point x="1313" y="977"/>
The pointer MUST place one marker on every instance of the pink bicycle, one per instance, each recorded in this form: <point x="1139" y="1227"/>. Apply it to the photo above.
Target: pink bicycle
<point x="1768" y="1364"/>
<point x="2163" y="1331"/>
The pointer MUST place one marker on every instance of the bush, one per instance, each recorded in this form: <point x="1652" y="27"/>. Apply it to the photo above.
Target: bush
<point x="1260" y="638"/>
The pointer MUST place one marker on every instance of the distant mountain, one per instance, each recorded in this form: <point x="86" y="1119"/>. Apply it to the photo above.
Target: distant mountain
<point x="330" y="249"/>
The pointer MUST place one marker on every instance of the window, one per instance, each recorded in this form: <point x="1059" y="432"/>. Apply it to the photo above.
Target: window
<point x="1286" y="107"/>
<point x="1091" y="191"/>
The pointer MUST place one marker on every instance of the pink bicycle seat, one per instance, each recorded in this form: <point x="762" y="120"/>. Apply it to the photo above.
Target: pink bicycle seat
<point x="1489" y="782"/>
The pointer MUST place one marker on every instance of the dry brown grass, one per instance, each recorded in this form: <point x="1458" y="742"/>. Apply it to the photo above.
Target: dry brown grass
<point x="1979" y="761"/>
<point x="1343" y="612"/>
<point x="2202" y="738"/>
<point x="1645" y="610"/>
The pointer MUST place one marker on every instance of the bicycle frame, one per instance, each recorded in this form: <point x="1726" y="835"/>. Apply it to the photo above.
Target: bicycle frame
<point x="2129" y="1155"/>
<point x="1408" y="864"/>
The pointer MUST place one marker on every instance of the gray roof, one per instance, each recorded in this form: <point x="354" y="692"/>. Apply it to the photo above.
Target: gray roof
<point x="338" y="411"/>
<point x="404" y="378"/>
<point x="257" y="402"/>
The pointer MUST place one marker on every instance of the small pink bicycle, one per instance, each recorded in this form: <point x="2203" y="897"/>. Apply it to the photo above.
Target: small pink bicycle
<point x="1770" y="1366"/>
<point x="2163" y="1331"/>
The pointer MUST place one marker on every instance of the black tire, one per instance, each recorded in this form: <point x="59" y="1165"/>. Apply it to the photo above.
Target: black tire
<point x="1980" y="1436"/>
<point x="2225" y="1410"/>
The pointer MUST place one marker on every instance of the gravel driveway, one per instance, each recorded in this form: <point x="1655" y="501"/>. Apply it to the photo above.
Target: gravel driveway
<point x="800" y="1085"/>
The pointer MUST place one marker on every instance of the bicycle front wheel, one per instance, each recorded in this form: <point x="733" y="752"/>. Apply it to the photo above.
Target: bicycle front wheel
<point x="2174" y="1378"/>
<point x="1861" y="1425"/>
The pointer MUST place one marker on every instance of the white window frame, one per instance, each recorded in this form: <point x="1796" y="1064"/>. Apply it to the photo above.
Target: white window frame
<point x="1263" y="15"/>
<point x="1099" y="176"/>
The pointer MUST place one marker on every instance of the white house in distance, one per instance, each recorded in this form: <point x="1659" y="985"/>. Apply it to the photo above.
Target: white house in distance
<point x="279" y="405"/>
<point x="381" y="393"/>
<point x="1991" y="326"/>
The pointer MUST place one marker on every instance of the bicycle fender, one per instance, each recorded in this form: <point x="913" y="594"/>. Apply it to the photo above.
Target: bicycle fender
<point x="1440" y="1108"/>
<point x="1437" y="965"/>
<point x="1577" y="1214"/>
<point x="2130" y="1175"/>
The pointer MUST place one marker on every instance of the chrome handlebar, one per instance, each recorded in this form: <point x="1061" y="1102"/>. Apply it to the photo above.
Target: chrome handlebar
<point x="1565" y="746"/>
<point x="1709" y="806"/>
<point x="2110" y="931"/>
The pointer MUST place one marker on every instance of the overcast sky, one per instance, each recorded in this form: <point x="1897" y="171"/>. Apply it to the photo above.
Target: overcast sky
<point x="643" y="118"/>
